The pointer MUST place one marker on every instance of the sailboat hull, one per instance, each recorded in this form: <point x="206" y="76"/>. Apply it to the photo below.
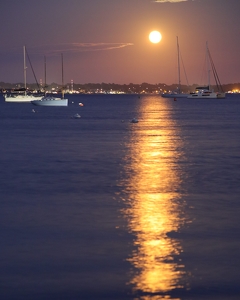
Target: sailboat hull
<point x="50" y="101"/>
<point x="207" y="95"/>
<point x="221" y="95"/>
<point x="174" y="95"/>
<point x="21" y="98"/>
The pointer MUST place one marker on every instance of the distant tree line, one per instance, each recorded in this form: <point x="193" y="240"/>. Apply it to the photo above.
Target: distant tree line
<point x="125" y="88"/>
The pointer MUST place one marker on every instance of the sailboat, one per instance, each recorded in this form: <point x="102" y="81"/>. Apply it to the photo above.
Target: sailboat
<point x="53" y="101"/>
<point x="22" y="95"/>
<point x="177" y="93"/>
<point x="205" y="92"/>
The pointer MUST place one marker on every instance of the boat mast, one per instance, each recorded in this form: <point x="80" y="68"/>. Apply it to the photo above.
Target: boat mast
<point x="179" y="79"/>
<point x="25" y="69"/>
<point x="45" y="76"/>
<point x="45" y="73"/>
<point x="62" y="78"/>
<point x="214" y="72"/>
<point x="208" y="64"/>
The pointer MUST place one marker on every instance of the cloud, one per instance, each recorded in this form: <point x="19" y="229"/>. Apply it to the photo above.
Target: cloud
<point x="172" y="1"/>
<point x="80" y="47"/>
<point x="55" y="49"/>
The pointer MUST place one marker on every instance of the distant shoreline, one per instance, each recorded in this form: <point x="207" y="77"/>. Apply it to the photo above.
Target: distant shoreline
<point x="131" y="88"/>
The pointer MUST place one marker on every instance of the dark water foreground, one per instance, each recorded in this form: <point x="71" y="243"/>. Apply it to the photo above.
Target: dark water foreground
<point x="99" y="208"/>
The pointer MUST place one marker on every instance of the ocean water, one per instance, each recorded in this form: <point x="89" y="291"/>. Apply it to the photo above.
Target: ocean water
<point x="100" y="208"/>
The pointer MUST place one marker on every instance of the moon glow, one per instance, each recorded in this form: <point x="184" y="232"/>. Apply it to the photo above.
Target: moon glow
<point x="155" y="37"/>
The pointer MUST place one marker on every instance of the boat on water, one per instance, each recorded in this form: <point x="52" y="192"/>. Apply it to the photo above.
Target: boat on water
<point x="134" y="120"/>
<point x="50" y="100"/>
<point x="76" y="116"/>
<point x="174" y="95"/>
<point x="205" y="92"/>
<point x="22" y="95"/>
<point x="178" y="93"/>
<point x="20" y="98"/>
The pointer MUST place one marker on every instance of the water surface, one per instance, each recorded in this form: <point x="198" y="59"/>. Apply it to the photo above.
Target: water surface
<point x="100" y="208"/>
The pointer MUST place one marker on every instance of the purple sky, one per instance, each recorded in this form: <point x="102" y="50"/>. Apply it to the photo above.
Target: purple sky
<point x="107" y="40"/>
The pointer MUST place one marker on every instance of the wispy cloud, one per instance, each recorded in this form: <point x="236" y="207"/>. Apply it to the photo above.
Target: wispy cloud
<point x="172" y="1"/>
<point x="80" y="47"/>
<point x="55" y="49"/>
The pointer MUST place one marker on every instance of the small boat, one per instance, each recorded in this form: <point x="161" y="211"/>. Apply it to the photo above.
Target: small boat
<point x="134" y="120"/>
<point x="76" y="116"/>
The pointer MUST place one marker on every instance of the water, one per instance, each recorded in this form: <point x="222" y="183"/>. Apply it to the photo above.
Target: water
<point x="99" y="208"/>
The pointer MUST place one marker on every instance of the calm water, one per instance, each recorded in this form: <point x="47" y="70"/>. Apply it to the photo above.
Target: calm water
<point x="99" y="208"/>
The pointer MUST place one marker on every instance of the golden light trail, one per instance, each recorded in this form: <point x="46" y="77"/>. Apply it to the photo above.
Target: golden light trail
<point x="152" y="204"/>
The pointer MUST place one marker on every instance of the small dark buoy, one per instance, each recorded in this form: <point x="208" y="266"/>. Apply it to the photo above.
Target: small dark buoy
<point x="175" y="99"/>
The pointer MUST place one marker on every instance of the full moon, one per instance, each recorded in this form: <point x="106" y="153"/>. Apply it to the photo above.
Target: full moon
<point x="155" y="37"/>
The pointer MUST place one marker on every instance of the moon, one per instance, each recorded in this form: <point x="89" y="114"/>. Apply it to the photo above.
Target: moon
<point x="155" y="37"/>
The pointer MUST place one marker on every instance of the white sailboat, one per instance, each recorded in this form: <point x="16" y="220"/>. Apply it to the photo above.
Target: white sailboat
<point x="53" y="101"/>
<point x="22" y="96"/>
<point x="177" y="93"/>
<point x="205" y="92"/>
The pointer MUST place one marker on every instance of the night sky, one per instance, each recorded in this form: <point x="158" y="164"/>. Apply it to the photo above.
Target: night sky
<point x="107" y="40"/>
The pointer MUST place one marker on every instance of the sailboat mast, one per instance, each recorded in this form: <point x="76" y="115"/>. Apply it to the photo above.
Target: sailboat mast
<point x="25" y="69"/>
<point x="179" y="78"/>
<point x="62" y="77"/>
<point x="208" y="64"/>
<point x="45" y="72"/>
